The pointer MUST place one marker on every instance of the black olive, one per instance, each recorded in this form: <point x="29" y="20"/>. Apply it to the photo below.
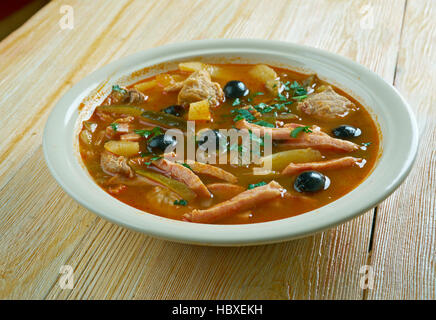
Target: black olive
<point x="345" y="132"/>
<point x="235" y="89"/>
<point x="310" y="181"/>
<point x="212" y="134"/>
<point x="159" y="143"/>
<point x="175" y="110"/>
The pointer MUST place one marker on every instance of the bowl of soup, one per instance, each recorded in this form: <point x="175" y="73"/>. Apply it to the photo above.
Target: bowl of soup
<point x="230" y="142"/>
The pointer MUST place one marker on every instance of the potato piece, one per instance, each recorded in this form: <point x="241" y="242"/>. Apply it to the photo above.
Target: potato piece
<point x="86" y="137"/>
<point x="143" y="86"/>
<point x="199" y="110"/>
<point x="122" y="148"/>
<point x="281" y="159"/>
<point x="192" y="66"/>
<point x="267" y="75"/>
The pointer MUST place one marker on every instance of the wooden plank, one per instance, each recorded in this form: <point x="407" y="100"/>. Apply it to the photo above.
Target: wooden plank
<point x="40" y="227"/>
<point x="405" y="235"/>
<point x="37" y="63"/>
<point x="112" y="262"/>
<point x="116" y="263"/>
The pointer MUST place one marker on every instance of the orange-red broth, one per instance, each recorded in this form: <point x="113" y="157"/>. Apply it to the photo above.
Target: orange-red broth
<point x="342" y="181"/>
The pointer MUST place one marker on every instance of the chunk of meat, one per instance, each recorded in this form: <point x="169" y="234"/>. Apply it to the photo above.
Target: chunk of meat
<point x="198" y="86"/>
<point x="294" y="168"/>
<point x="225" y="190"/>
<point x="318" y="140"/>
<point x="326" y="105"/>
<point x="135" y="96"/>
<point x="113" y="164"/>
<point x="315" y="139"/>
<point x="126" y="96"/>
<point x="242" y="202"/>
<point x="183" y="174"/>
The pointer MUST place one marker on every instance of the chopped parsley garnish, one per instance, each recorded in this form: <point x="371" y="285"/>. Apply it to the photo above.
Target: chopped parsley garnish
<point x="296" y="131"/>
<point x="366" y="143"/>
<point x="237" y="102"/>
<point x="286" y="85"/>
<point x="298" y="89"/>
<point x="243" y="114"/>
<point x="186" y="165"/>
<point x="114" y="126"/>
<point x="300" y="97"/>
<point x="117" y="88"/>
<point x="255" y="185"/>
<point x="149" y="133"/>
<point x="264" y="108"/>
<point x="281" y="97"/>
<point x="180" y="202"/>
<point x="258" y="94"/>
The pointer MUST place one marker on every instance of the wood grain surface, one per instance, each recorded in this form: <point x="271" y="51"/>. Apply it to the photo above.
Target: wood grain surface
<point x="42" y="228"/>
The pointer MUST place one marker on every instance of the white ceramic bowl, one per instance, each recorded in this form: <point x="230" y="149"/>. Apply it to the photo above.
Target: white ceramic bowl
<point x="395" y="118"/>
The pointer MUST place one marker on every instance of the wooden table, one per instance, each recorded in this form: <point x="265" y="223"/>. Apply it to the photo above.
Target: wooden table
<point x="42" y="229"/>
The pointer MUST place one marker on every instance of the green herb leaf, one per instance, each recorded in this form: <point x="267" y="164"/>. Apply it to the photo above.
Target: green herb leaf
<point x="296" y="131"/>
<point x="299" y="98"/>
<point x="286" y="85"/>
<point x="366" y="143"/>
<point x="117" y="88"/>
<point x="255" y="185"/>
<point x="237" y="102"/>
<point x="263" y="123"/>
<point x="180" y="202"/>
<point x="114" y="126"/>
<point x="298" y="89"/>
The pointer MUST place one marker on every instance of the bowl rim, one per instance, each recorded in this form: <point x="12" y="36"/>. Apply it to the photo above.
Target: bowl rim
<point x="62" y="166"/>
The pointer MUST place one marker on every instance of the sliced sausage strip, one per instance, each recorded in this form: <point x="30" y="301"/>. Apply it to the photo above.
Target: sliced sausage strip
<point x="225" y="190"/>
<point x="243" y="201"/>
<point x="315" y="139"/>
<point x="294" y="168"/>
<point x="183" y="174"/>
<point x="212" y="171"/>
